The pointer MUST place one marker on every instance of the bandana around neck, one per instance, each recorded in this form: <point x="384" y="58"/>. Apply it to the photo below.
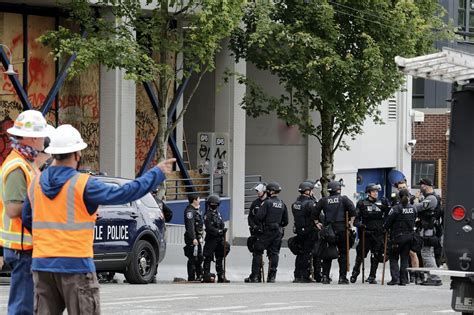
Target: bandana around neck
<point x="28" y="152"/>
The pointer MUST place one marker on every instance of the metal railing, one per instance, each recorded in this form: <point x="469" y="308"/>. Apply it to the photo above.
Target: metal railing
<point x="176" y="189"/>
<point x="250" y="182"/>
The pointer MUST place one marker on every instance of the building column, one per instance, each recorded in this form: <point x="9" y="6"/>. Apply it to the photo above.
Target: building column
<point x="230" y="117"/>
<point x="117" y="124"/>
<point x="404" y="132"/>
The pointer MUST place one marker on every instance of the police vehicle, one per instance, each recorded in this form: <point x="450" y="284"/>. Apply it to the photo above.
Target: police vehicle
<point x="130" y="238"/>
<point x="455" y="67"/>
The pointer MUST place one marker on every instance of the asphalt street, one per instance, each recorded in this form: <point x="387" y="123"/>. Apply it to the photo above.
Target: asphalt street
<point x="282" y="297"/>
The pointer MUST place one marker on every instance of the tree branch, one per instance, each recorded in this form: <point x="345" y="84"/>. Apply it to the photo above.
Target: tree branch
<point x="341" y="132"/>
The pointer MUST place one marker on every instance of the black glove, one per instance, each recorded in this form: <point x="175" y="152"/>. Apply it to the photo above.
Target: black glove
<point x="222" y="232"/>
<point x="361" y="226"/>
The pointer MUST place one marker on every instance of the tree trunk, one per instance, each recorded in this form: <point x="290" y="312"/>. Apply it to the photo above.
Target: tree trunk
<point x="327" y="156"/>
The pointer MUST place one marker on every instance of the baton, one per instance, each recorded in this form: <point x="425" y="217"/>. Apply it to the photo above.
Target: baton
<point x="347" y="242"/>
<point x="363" y="255"/>
<point x="384" y="256"/>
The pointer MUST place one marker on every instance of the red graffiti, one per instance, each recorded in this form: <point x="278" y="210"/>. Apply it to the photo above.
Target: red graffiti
<point x="5" y="141"/>
<point x="37" y="69"/>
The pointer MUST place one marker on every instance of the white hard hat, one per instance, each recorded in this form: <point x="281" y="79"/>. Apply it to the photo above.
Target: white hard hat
<point x="65" y="139"/>
<point x="30" y="124"/>
<point x="260" y="187"/>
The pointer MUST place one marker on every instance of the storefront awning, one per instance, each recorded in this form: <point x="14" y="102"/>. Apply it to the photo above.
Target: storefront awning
<point x="448" y="66"/>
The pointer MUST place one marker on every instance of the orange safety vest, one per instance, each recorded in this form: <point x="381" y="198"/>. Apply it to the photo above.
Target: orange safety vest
<point x="11" y="229"/>
<point x="62" y="227"/>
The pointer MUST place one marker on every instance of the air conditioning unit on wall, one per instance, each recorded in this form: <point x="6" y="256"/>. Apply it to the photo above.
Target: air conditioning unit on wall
<point x="417" y="116"/>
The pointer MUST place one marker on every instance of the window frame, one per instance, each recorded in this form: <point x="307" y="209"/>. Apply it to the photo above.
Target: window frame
<point x="416" y="178"/>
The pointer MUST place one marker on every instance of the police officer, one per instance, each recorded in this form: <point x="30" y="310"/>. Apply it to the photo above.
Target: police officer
<point x="193" y="224"/>
<point x="304" y="230"/>
<point x="256" y="231"/>
<point x="369" y="222"/>
<point x="316" y="260"/>
<point x="214" y="240"/>
<point x="414" y="261"/>
<point x="273" y="215"/>
<point x="428" y="211"/>
<point x="401" y="222"/>
<point x="335" y="208"/>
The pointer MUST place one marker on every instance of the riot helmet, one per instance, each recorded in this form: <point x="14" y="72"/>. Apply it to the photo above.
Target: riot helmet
<point x="213" y="201"/>
<point x="304" y="186"/>
<point x="372" y="187"/>
<point x="273" y="187"/>
<point x="334" y="187"/>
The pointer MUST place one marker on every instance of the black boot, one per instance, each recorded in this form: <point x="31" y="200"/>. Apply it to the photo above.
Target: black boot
<point x="356" y="269"/>
<point x="325" y="279"/>
<point x="252" y="279"/>
<point x="343" y="280"/>
<point x="354" y="276"/>
<point x="271" y="276"/>
<point x="222" y="279"/>
<point x="393" y="282"/>
<point x="371" y="280"/>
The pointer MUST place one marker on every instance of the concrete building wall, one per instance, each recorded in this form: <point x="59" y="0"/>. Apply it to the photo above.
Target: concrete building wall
<point x="274" y="150"/>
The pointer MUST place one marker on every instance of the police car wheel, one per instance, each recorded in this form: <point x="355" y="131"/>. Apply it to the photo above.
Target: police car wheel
<point x="142" y="265"/>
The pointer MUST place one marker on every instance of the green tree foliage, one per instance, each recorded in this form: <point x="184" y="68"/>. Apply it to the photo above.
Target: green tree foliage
<point x="144" y="39"/>
<point x="332" y="57"/>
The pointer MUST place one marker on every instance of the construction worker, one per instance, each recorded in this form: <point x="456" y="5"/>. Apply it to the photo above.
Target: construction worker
<point x="60" y="211"/>
<point x="28" y="133"/>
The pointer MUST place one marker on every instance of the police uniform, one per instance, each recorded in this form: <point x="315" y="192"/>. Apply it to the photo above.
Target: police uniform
<point x="428" y="211"/>
<point x="369" y="222"/>
<point x="193" y="224"/>
<point x="335" y="208"/>
<point x="273" y="216"/>
<point x="256" y="232"/>
<point x="305" y="231"/>
<point x="401" y="222"/>
<point x="214" y="243"/>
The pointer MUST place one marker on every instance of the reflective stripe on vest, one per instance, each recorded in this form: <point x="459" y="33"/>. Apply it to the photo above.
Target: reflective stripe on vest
<point x="62" y="226"/>
<point x="70" y="225"/>
<point x="11" y="229"/>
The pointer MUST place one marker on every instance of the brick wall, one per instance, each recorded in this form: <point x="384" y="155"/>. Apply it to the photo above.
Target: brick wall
<point x="431" y="143"/>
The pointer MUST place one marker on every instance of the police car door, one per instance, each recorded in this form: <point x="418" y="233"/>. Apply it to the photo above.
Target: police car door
<point x="116" y="226"/>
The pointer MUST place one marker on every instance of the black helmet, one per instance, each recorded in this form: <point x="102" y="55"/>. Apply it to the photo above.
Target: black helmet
<point x="334" y="186"/>
<point x="213" y="199"/>
<point x="304" y="186"/>
<point x="372" y="186"/>
<point x="274" y="186"/>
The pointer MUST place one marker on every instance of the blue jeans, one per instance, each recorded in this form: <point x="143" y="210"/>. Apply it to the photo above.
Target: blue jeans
<point x="20" y="300"/>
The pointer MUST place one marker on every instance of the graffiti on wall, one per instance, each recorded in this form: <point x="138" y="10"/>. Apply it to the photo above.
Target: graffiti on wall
<point x="78" y="98"/>
<point x="212" y="153"/>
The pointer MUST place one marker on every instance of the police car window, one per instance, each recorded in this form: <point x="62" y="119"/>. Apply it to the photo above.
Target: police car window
<point x="125" y="205"/>
<point x="149" y="201"/>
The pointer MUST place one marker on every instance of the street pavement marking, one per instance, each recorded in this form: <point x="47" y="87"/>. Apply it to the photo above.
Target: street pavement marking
<point x="146" y="297"/>
<point x="226" y="308"/>
<point x="151" y="300"/>
<point x="275" y="303"/>
<point x="444" y="311"/>
<point x="272" y="309"/>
